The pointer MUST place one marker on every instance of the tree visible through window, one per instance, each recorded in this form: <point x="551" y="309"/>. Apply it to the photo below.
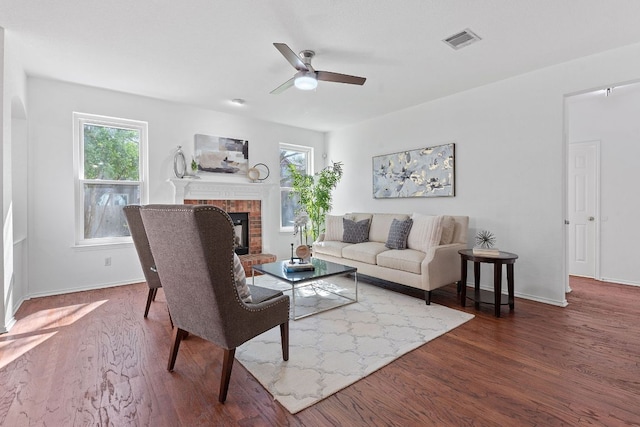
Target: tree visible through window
<point x="302" y="158"/>
<point x="109" y="175"/>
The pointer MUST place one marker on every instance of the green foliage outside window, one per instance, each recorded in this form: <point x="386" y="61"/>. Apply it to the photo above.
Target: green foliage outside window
<point x="299" y="157"/>
<point x="111" y="153"/>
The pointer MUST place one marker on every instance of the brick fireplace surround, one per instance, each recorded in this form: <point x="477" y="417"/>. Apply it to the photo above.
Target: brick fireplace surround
<point x="252" y="207"/>
<point x="232" y="198"/>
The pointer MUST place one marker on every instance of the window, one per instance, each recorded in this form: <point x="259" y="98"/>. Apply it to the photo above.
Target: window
<point x="110" y="166"/>
<point x="302" y="157"/>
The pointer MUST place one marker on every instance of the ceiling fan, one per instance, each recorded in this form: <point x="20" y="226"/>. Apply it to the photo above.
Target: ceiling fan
<point x="307" y="77"/>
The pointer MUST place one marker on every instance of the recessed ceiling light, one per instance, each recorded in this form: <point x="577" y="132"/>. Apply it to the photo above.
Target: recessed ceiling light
<point x="238" y="101"/>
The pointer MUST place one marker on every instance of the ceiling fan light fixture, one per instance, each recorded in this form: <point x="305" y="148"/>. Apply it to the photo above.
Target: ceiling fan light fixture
<point x="306" y="81"/>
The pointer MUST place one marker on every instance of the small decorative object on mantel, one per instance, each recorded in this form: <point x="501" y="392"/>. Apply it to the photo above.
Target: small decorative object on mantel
<point x="253" y="174"/>
<point x="179" y="163"/>
<point x="194" y="170"/>
<point x="484" y="244"/>
<point x="259" y="172"/>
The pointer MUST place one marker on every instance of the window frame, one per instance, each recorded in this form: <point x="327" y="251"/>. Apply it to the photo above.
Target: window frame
<point x="309" y="151"/>
<point x="79" y="122"/>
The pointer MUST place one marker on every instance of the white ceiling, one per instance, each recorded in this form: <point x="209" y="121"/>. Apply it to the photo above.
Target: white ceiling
<point x="206" y="52"/>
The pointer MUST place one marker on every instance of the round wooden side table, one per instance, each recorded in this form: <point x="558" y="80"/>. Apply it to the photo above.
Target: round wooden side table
<point x="503" y="258"/>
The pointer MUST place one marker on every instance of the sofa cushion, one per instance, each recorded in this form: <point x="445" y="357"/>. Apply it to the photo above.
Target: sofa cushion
<point x="358" y="216"/>
<point x="355" y="232"/>
<point x="380" y="224"/>
<point x="330" y="247"/>
<point x="398" y="233"/>
<point x="364" y="252"/>
<point x="448" y="227"/>
<point x="425" y="232"/>
<point x="407" y="260"/>
<point x="333" y="227"/>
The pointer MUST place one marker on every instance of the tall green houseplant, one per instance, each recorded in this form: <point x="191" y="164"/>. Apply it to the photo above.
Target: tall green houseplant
<point x="314" y="194"/>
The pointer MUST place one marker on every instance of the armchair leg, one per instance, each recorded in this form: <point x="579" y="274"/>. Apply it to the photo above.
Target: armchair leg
<point x="178" y="334"/>
<point x="284" y="337"/>
<point x="150" y="297"/>
<point x="227" y="365"/>
<point x="427" y="297"/>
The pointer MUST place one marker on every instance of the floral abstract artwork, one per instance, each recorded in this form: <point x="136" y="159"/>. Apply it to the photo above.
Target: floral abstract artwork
<point x="425" y="172"/>
<point x="221" y="155"/>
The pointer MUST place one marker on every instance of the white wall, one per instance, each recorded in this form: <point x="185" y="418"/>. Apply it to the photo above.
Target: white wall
<point x="55" y="265"/>
<point x="510" y="161"/>
<point x="13" y="143"/>
<point x="615" y="122"/>
<point x="5" y="135"/>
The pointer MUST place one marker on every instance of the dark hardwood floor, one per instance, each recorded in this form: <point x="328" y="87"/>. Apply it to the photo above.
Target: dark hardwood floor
<point x="90" y="358"/>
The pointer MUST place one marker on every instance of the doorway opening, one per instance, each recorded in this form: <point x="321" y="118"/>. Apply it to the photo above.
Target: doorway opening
<point x="602" y="143"/>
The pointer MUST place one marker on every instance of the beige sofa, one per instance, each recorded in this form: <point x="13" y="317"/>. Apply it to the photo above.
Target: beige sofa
<point x="430" y="261"/>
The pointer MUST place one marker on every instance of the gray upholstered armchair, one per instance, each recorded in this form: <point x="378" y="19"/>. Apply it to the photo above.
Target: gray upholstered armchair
<point x="140" y="241"/>
<point x="193" y="250"/>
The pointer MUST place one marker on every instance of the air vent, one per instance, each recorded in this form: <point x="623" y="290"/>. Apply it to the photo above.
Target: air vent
<point x="462" y="39"/>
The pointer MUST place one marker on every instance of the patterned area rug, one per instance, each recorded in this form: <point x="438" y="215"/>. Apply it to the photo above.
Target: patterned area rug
<point x="331" y="350"/>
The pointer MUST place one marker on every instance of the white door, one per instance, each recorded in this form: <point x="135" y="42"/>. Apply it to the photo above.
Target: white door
<point x="583" y="208"/>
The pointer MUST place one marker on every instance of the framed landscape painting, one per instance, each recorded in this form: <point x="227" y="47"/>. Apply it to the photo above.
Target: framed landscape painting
<point x="217" y="154"/>
<point x="425" y="172"/>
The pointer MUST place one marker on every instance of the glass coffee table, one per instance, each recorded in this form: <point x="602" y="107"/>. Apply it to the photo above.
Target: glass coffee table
<point x="311" y="291"/>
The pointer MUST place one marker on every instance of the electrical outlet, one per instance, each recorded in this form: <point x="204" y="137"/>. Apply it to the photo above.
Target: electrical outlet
<point x="107" y="261"/>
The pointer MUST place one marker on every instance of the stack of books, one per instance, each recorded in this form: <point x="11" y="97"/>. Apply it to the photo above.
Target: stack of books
<point x="296" y="267"/>
<point x="486" y="251"/>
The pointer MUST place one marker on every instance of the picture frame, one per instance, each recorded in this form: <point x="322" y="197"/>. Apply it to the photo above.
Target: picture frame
<point x="423" y="172"/>
<point x="217" y="154"/>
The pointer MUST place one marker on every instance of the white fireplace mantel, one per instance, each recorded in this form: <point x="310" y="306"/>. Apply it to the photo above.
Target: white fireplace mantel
<point x="211" y="189"/>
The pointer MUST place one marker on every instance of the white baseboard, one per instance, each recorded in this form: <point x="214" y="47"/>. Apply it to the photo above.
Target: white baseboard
<point x="619" y="281"/>
<point x="557" y="303"/>
<point x="84" y="288"/>
<point x="8" y="326"/>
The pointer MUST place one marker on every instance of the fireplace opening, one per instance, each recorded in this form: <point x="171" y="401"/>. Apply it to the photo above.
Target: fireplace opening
<point x="241" y="227"/>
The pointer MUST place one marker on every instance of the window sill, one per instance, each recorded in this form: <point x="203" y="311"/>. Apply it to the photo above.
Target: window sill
<point x="101" y="246"/>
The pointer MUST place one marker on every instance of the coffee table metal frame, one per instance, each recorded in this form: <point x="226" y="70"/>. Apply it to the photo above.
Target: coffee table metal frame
<point x="323" y="269"/>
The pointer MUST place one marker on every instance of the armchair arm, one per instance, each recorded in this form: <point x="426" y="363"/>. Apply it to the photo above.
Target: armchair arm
<point x="258" y="318"/>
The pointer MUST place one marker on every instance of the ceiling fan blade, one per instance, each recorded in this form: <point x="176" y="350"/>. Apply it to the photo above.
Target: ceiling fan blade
<point x="284" y="86"/>
<point x="328" y="76"/>
<point x="291" y="57"/>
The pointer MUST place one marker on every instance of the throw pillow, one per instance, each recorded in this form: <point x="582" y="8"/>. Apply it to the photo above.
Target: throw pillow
<point x="448" y="227"/>
<point x="241" y="280"/>
<point x="355" y="232"/>
<point x="425" y="232"/>
<point x="398" y="233"/>
<point x="333" y="228"/>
